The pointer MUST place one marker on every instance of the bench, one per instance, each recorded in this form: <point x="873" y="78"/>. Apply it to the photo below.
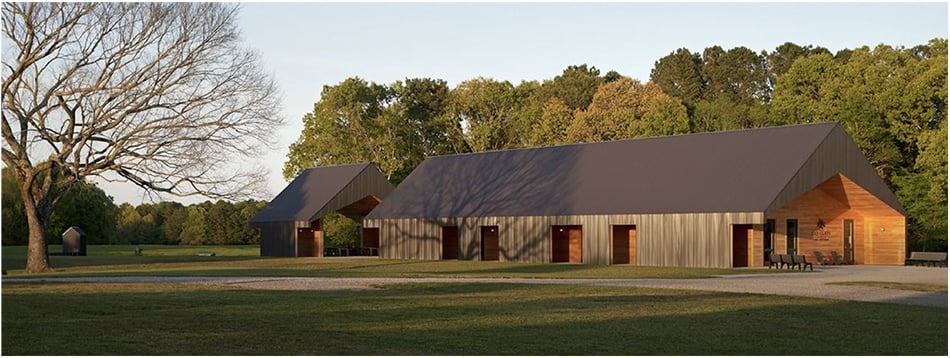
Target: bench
<point x="927" y="258"/>
<point x="205" y="254"/>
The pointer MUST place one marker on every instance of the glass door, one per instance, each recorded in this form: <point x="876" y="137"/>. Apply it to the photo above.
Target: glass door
<point x="792" y="237"/>
<point x="768" y="238"/>
<point x="849" y="240"/>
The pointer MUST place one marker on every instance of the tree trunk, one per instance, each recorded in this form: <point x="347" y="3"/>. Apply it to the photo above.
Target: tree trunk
<point x="37" y="256"/>
<point x="37" y="218"/>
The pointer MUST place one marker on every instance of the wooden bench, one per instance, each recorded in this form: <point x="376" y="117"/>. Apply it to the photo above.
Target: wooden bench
<point x="927" y="258"/>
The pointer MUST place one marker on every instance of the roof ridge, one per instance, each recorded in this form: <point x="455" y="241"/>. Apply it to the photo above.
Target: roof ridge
<point x="337" y="165"/>
<point x="629" y="176"/>
<point x="658" y="137"/>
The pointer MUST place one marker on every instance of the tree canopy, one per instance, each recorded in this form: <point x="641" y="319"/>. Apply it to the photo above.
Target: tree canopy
<point x="891" y="100"/>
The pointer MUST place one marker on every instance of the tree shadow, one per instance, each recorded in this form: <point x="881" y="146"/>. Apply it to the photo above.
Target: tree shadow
<point x="482" y="189"/>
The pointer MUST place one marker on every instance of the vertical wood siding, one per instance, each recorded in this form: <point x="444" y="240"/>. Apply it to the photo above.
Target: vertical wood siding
<point x="280" y="238"/>
<point x="690" y="240"/>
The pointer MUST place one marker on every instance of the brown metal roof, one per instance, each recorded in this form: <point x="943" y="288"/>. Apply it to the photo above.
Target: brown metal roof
<point x="314" y="189"/>
<point x="731" y="171"/>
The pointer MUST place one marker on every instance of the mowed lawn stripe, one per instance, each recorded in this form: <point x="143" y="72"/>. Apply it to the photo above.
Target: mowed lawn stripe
<point x="452" y="319"/>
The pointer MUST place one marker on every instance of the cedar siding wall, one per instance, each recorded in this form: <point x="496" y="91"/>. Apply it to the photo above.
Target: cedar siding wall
<point x="885" y="247"/>
<point x="691" y="240"/>
<point x="834" y="201"/>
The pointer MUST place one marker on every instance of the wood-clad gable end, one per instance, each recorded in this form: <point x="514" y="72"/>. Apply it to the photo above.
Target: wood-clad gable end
<point x="691" y="240"/>
<point x="358" y="197"/>
<point x="878" y="234"/>
<point x="837" y="154"/>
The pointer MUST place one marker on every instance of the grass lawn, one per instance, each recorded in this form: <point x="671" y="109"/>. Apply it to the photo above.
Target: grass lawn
<point x="452" y="319"/>
<point x="909" y="286"/>
<point x="160" y="260"/>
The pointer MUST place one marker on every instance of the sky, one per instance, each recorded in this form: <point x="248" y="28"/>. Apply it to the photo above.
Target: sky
<point x="306" y="46"/>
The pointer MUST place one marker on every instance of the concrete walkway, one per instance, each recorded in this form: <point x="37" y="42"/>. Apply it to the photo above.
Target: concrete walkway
<point x="809" y="284"/>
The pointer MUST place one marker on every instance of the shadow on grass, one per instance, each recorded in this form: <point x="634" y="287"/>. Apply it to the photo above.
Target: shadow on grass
<point x="451" y="319"/>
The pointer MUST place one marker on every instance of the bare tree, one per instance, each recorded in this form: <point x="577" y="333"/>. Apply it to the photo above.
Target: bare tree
<point x="161" y="94"/>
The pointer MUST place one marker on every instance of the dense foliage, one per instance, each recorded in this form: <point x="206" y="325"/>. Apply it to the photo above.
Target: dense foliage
<point x="891" y="100"/>
<point x="87" y="206"/>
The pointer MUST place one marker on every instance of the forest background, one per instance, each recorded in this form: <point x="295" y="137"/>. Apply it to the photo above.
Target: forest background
<point x="892" y="100"/>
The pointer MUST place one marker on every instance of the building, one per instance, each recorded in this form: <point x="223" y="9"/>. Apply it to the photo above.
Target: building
<point x="291" y="224"/>
<point x="74" y="241"/>
<point x="722" y="199"/>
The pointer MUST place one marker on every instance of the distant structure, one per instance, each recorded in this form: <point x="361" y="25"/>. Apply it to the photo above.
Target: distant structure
<point x="292" y="224"/>
<point x="721" y="199"/>
<point x="74" y="242"/>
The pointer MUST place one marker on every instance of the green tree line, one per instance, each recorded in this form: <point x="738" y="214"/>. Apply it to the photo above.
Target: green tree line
<point x="87" y="206"/>
<point x="891" y="100"/>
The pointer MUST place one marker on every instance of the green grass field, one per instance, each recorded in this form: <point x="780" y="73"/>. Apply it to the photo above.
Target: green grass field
<point x="428" y="319"/>
<point x="452" y="319"/>
<point x="243" y="261"/>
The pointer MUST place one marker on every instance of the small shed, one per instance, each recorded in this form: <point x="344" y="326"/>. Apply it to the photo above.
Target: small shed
<point x="74" y="242"/>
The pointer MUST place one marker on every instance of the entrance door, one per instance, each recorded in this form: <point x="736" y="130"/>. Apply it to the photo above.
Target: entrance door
<point x="309" y="243"/>
<point x="489" y="243"/>
<point x="624" y="244"/>
<point x="740" y="245"/>
<point x="849" y="240"/>
<point x="567" y="244"/>
<point x="450" y="242"/>
<point x="791" y="236"/>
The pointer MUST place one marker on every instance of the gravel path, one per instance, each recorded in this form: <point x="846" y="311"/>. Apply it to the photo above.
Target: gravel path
<point x="811" y="284"/>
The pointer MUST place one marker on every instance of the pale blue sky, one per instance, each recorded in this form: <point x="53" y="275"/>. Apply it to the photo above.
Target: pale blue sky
<point x="309" y="45"/>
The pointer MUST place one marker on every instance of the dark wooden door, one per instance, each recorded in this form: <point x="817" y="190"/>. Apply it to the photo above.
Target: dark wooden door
<point x="576" y="243"/>
<point x="560" y="244"/>
<point x="740" y="245"/>
<point x="370" y="237"/>
<point x="450" y="242"/>
<point x="489" y="243"/>
<point x="567" y="244"/>
<point x="624" y="244"/>
<point x="309" y="243"/>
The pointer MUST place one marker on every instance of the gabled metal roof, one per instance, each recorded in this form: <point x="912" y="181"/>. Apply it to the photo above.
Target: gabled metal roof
<point x="731" y="171"/>
<point x="322" y="190"/>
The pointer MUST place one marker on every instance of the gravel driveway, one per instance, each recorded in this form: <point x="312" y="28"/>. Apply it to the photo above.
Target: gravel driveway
<point x="810" y="284"/>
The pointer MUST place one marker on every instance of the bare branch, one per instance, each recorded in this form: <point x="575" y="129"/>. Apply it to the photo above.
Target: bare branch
<point x="162" y="94"/>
